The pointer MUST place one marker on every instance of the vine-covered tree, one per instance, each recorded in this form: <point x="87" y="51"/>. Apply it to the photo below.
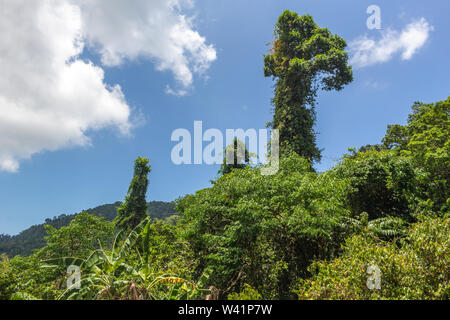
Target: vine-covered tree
<point x="134" y="209"/>
<point x="304" y="59"/>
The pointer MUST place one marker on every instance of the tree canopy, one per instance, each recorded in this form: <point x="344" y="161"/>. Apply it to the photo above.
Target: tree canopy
<point x="426" y="140"/>
<point x="238" y="153"/>
<point x="134" y="209"/>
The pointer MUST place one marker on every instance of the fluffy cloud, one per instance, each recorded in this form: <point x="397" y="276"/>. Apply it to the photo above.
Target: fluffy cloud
<point x="367" y="52"/>
<point x="50" y="98"/>
<point x="153" y="29"/>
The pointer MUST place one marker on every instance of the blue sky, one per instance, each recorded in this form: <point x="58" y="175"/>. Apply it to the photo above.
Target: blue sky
<point x="231" y="93"/>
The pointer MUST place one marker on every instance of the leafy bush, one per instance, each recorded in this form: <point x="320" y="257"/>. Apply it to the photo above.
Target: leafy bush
<point x="381" y="184"/>
<point x="248" y="293"/>
<point x="417" y="267"/>
<point x="122" y="273"/>
<point x="84" y="234"/>
<point x="8" y="278"/>
<point x="30" y="279"/>
<point x="164" y="250"/>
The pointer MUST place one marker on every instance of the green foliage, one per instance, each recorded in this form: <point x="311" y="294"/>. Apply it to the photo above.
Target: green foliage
<point x="84" y="234"/>
<point x="134" y="209"/>
<point x="22" y="296"/>
<point x="121" y="273"/>
<point x="381" y="183"/>
<point x="7" y="278"/>
<point x="417" y="267"/>
<point x="32" y="276"/>
<point x="265" y="230"/>
<point x="386" y="228"/>
<point x="396" y="137"/>
<point x="240" y="155"/>
<point x="372" y="147"/>
<point x="426" y="140"/>
<point x="248" y="293"/>
<point x="165" y="250"/>
<point x="30" y="279"/>
<point x="304" y="59"/>
<point x="161" y="210"/>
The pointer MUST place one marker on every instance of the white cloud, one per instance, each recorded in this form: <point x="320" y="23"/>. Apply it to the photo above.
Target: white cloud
<point x="125" y="30"/>
<point x="50" y="98"/>
<point x="177" y="93"/>
<point x="366" y="52"/>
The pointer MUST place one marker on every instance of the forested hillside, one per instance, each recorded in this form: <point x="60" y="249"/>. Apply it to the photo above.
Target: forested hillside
<point x="33" y="238"/>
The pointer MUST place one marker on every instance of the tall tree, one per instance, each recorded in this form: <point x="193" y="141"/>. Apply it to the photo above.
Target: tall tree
<point x="134" y="209"/>
<point x="304" y="59"/>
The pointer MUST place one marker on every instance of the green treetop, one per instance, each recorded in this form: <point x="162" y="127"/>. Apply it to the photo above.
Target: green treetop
<point x="240" y="155"/>
<point x="304" y="59"/>
<point x="426" y="139"/>
<point x="134" y="209"/>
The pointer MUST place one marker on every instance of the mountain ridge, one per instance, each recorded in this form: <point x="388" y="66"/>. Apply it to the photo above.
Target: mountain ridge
<point x="33" y="237"/>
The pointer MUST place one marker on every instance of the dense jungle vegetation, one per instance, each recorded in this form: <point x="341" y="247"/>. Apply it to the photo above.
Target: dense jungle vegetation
<point x="298" y="234"/>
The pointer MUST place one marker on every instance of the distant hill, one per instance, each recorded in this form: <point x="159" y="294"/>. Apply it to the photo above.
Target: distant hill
<point x="33" y="237"/>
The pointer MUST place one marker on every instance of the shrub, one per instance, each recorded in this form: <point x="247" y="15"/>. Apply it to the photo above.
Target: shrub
<point x="381" y="184"/>
<point x="417" y="267"/>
